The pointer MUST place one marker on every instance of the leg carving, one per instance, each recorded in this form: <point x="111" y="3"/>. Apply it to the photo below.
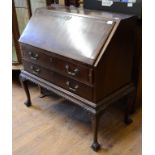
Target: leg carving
<point x="130" y="100"/>
<point x="95" y="122"/>
<point x="25" y="86"/>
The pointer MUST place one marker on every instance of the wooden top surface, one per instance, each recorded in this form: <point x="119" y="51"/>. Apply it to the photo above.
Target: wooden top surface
<point x="77" y="36"/>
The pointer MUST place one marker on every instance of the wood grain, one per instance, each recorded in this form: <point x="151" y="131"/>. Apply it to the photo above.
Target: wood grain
<point x="53" y="126"/>
<point x="81" y="41"/>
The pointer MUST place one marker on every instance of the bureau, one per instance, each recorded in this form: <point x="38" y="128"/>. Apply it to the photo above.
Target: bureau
<point x="82" y="55"/>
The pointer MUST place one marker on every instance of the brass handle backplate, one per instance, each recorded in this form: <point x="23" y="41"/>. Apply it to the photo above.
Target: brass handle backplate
<point x="73" y="73"/>
<point x="34" y="56"/>
<point x="72" y="88"/>
<point x="35" y="70"/>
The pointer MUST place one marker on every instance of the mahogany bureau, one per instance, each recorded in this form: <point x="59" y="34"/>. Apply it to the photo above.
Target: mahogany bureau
<point x="84" y="56"/>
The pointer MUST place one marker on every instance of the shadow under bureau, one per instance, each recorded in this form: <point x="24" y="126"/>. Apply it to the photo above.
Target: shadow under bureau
<point x="84" y="56"/>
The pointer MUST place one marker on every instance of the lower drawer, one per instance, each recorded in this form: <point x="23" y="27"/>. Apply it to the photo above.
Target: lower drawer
<point x="59" y="80"/>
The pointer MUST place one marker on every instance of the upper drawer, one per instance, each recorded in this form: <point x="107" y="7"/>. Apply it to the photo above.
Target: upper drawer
<point x="64" y="66"/>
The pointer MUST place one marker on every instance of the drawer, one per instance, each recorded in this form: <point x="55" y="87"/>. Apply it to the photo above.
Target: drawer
<point x="60" y="80"/>
<point x="52" y="62"/>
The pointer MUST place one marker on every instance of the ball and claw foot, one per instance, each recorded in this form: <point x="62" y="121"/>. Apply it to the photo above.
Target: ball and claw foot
<point x="42" y="95"/>
<point x="95" y="146"/>
<point x="28" y="103"/>
<point x="128" y="121"/>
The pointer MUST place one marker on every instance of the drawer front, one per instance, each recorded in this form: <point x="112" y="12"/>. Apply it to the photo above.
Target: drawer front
<point x="59" y="80"/>
<point x="52" y="62"/>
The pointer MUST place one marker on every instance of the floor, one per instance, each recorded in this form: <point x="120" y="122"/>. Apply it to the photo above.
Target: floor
<point x="53" y="126"/>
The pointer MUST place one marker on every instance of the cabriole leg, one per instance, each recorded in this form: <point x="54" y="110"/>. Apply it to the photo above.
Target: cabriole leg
<point x="42" y="94"/>
<point x="95" y="123"/>
<point x="130" y="100"/>
<point x="25" y="86"/>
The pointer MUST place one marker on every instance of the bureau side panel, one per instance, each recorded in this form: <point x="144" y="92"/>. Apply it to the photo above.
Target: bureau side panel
<point x="115" y="68"/>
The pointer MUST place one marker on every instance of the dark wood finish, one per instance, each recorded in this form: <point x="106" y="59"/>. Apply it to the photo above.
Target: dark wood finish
<point x="81" y="41"/>
<point x="118" y="70"/>
<point x="15" y="31"/>
<point x="95" y="125"/>
<point x="25" y="86"/>
<point x="59" y="64"/>
<point x="76" y="3"/>
<point x="138" y="100"/>
<point x="42" y="92"/>
<point x="138" y="65"/>
<point x="60" y="80"/>
<point x="128" y="107"/>
<point x="86" y="104"/>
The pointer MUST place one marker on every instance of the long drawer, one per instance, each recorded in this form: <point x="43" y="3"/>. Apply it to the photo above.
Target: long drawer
<point x="52" y="62"/>
<point x="59" y="80"/>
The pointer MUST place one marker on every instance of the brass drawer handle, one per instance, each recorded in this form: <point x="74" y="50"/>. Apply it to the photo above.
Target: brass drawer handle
<point x="34" y="56"/>
<point x="73" y="73"/>
<point x="35" y="70"/>
<point x="72" y="88"/>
